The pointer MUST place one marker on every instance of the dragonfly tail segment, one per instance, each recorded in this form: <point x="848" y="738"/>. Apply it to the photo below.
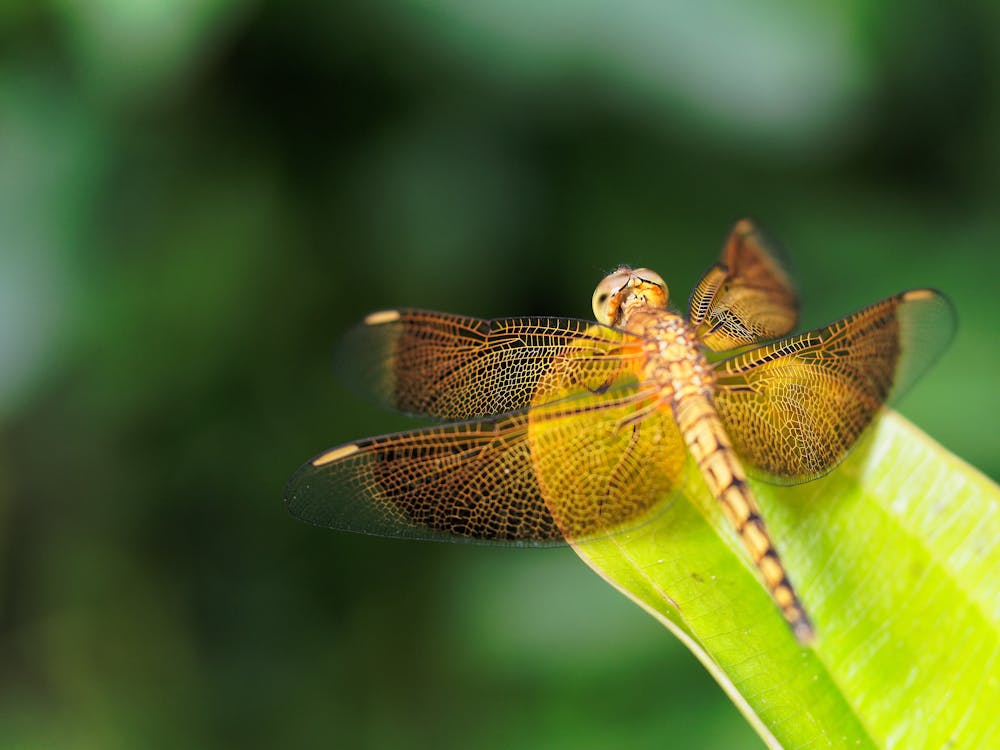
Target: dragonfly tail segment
<point x="706" y="439"/>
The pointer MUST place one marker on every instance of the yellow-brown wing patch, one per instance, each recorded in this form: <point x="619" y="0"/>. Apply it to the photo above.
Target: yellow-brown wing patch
<point x="794" y="408"/>
<point x="602" y="458"/>
<point x="584" y="459"/>
<point x="746" y="298"/>
<point x="454" y="367"/>
<point x="609" y="466"/>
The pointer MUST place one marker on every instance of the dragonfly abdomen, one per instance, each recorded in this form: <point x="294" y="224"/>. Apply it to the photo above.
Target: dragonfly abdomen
<point x="713" y="453"/>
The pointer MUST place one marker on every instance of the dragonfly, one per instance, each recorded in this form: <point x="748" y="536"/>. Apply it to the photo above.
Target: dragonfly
<point x="563" y="430"/>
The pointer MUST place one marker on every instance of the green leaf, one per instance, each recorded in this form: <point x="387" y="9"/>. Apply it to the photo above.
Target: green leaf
<point x="895" y="555"/>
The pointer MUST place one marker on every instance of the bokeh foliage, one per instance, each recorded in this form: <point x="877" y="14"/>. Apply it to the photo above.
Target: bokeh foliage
<point x="196" y="198"/>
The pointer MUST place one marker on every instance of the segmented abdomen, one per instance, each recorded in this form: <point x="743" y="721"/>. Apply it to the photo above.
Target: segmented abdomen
<point x="712" y="451"/>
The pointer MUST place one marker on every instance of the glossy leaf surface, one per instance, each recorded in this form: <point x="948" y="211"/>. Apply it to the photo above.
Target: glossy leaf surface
<point x="897" y="553"/>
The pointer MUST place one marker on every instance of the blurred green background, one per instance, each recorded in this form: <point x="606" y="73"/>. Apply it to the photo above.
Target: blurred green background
<point x="197" y="197"/>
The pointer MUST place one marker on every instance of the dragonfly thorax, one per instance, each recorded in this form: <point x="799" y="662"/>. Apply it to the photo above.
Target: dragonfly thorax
<point x="626" y="289"/>
<point x="673" y="361"/>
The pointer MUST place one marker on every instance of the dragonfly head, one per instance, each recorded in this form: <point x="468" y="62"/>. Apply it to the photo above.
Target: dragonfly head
<point x="625" y="288"/>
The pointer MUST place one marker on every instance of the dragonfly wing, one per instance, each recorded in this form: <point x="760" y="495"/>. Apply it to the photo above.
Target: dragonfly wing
<point x="611" y="466"/>
<point x="463" y="482"/>
<point x="569" y="469"/>
<point x="794" y="408"/>
<point x="455" y="368"/>
<point x="747" y="297"/>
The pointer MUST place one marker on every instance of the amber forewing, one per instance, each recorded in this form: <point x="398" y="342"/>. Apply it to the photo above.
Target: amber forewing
<point x="454" y="367"/>
<point x="746" y="298"/>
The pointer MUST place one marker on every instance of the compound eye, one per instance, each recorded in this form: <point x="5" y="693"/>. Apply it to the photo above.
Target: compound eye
<point x="605" y="300"/>
<point x="651" y="276"/>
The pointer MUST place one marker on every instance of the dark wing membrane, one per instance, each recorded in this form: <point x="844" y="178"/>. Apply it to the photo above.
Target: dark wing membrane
<point x="454" y="368"/>
<point x="487" y="481"/>
<point x="794" y="408"/>
<point x="465" y="482"/>
<point x="746" y="298"/>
